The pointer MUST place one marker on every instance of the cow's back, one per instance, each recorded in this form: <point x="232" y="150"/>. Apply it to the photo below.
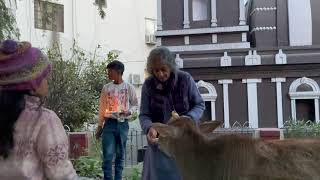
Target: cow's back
<point x="226" y="157"/>
<point x="294" y="159"/>
<point x="233" y="157"/>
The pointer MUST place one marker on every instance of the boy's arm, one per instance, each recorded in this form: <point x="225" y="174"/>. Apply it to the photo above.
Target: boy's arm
<point x="102" y="107"/>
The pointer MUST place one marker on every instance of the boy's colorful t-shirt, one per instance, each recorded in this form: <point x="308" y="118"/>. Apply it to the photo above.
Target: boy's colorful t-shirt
<point x="116" y="98"/>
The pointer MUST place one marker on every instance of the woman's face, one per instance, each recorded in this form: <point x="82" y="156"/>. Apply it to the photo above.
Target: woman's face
<point x="160" y="70"/>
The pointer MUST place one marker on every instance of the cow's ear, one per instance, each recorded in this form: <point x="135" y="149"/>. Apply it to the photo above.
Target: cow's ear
<point x="164" y="130"/>
<point x="209" y="126"/>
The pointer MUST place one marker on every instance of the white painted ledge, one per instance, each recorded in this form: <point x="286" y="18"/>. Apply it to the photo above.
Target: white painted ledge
<point x="212" y="30"/>
<point x="208" y="47"/>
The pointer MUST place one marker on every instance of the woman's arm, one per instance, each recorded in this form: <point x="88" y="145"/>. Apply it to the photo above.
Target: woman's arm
<point x="144" y="116"/>
<point x="196" y="101"/>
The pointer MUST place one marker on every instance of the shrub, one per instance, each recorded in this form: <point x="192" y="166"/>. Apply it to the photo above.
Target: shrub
<point x="8" y="24"/>
<point x="135" y="172"/>
<point x="301" y="128"/>
<point x="75" y="85"/>
<point x="90" y="166"/>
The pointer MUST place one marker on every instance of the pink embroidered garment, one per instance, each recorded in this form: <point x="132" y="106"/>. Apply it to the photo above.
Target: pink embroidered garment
<point x="40" y="147"/>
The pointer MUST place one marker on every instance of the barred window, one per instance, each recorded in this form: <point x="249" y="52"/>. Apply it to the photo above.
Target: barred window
<point x="48" y="16"/>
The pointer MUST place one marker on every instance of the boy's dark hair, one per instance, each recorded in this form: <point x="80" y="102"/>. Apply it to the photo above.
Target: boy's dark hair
<point x="116" y="65"/>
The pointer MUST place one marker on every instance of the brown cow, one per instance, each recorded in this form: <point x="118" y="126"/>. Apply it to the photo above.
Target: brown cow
<point x="232" y="157"/>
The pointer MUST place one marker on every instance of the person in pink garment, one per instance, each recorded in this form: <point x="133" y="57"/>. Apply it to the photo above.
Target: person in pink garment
<point x="33" y="142"/>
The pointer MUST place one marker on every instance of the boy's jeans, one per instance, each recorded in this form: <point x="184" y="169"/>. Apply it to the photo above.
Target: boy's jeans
<point x="114" y="138"/>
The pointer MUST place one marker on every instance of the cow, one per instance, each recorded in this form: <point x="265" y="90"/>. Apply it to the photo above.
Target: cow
<point x="234" y="157"/>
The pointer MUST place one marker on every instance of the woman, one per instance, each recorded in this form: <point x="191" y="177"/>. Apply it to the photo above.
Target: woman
<point x="165" y="91"/>
<point x="33" y="143"/>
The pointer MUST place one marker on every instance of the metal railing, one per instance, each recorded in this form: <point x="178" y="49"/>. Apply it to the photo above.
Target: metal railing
<point x="135" y="144"/>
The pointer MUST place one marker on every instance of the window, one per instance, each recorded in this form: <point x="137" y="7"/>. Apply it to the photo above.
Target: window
<point x="304" y="87"/>
<point x="150" y="30"/>
<point x="209" y="94"/>
<point x="305" y="110"/>
<point x="48" y="16"/>
<point x="304" y="94"/>
<point x="207" y="116"/>
<point x="200" y="10"/>
<point x="203" y="90"/>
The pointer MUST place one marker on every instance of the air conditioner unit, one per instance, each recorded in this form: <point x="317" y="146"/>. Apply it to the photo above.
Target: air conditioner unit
<point x="135" y="79"/>
<point x="151" y="39"/>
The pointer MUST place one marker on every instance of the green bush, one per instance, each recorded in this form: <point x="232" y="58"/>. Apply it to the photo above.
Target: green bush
<point x="133" y="117"/>
<point x="8" y="25"/>
<point x="75" y="85"/>
<point x="90" y="166"/>
<point x="301" y="129"/>
<point x="134" y="173"/>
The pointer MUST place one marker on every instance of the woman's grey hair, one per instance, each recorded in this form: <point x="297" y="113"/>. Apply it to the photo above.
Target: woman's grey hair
<point x="166" y="57"/>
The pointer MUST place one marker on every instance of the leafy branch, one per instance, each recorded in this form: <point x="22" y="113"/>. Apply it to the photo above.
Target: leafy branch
<point x="8" y="28"/>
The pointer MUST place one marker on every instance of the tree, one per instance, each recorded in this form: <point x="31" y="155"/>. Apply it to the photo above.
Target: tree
<point x="100" y="4"/>
<point x="8" y="28"/>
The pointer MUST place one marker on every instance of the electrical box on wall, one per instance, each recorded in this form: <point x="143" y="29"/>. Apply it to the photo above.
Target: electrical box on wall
<point x="135" y="79"/>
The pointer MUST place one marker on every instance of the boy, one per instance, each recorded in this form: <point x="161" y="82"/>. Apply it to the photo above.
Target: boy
<point x="118" y="101"/>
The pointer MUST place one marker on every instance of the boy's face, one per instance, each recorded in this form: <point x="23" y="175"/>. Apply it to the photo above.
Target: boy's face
<point x="112" y="74"/>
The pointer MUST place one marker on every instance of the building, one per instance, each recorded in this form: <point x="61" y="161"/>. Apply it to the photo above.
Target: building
<point x="256" y="63"/>
<point x="127" y="29"/>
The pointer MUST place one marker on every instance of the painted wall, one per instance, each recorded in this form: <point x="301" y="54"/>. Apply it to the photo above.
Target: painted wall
<point x="301" y="15"/>
<point x="238" y="103"/>
<point x="267" y="103"/>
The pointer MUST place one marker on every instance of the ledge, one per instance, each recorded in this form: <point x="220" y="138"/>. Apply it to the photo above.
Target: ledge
<point x="208" y="47"/>
<point x="213" y="30"/>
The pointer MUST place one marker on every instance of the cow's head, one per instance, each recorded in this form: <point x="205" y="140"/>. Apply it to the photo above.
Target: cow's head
<point x="182" y="133"/>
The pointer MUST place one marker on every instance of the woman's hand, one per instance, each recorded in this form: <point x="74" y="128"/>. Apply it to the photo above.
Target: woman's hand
<point x="152" y="135"/>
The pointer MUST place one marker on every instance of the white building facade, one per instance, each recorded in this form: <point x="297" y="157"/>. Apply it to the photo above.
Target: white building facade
<point x="128" y="28"/>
